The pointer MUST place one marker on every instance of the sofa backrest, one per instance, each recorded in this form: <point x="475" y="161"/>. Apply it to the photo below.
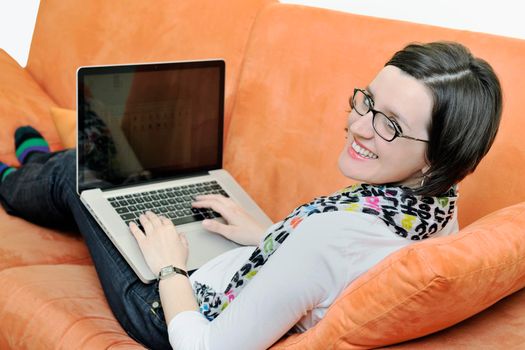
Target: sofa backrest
<point x="73" y="33"/>
<point x="301" y="66"/>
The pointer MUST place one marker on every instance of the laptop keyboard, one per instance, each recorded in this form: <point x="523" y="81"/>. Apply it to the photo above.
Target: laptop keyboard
<point x="173" y="203"/>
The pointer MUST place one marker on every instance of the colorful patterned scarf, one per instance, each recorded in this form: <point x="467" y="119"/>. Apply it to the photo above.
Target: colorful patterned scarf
<point x="407" y="215"/>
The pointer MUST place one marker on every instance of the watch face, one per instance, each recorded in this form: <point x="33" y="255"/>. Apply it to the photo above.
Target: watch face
<point x="170" y="270"/>
<point x="166" y="270"/>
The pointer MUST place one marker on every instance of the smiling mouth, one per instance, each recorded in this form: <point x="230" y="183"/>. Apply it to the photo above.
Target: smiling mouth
<point x="363" y="152"/>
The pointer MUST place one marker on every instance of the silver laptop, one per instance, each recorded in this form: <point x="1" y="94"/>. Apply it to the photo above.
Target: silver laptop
<point x="150" y="137"/>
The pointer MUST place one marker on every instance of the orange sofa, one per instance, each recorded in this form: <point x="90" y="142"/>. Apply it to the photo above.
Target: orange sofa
<point x="290" y="71"/>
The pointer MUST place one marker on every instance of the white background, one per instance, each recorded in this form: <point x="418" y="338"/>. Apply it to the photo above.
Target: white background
<point x="502" y="17"/>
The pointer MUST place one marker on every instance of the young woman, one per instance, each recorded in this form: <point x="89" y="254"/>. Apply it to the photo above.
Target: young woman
<point x="421" y="126"/>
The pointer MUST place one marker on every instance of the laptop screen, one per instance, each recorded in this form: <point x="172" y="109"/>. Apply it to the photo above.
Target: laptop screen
<point x="147" y="122"/>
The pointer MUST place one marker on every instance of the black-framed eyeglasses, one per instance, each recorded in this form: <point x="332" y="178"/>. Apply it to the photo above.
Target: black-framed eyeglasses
<point x="387" y="128"/>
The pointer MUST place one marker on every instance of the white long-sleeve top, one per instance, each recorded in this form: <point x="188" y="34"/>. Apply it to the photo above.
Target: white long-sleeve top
<point x="294" y="288"/>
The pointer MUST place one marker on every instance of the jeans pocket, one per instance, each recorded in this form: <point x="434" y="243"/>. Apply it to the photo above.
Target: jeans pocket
<point x="157" y="313"/>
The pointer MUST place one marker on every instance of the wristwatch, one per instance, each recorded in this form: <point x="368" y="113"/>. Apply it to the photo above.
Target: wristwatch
<point x="169" y="271"/>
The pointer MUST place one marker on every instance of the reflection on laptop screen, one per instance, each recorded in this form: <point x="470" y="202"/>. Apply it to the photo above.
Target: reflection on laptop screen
<point x="154" y="121"/>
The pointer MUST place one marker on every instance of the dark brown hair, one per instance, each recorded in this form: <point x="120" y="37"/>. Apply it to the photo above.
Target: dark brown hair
<point x="466" y="111"/>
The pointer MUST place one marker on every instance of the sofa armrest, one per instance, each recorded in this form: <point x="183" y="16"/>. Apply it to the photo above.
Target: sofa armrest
<point x="22" y="102"/>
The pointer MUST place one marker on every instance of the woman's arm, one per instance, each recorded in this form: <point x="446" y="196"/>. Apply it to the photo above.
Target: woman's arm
<point x="162" y="246"/>
<point x="298" y="277"/>
<point x="176" y="295"/>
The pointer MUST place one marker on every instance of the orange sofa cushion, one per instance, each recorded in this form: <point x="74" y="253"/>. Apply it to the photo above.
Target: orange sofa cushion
<point x="23" y="243"/>
<point x="99" y="32"/>
<point x="22" y="102"/>
<point x="426" y="287"/>
<point x="65" y="121"/>
<point x="300" y="69"/>
<point x="57" y="307"/>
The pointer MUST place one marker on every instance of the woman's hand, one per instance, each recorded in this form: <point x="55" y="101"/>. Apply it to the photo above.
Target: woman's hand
<point x="161" y="244"/>
<point x="240" y="227"/>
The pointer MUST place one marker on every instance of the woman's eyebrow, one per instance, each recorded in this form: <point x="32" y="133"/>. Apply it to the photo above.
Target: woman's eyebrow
<point x="392" y="114"/>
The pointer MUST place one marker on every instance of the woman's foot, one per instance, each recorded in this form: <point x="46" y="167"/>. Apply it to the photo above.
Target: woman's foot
<point x="5" y="170"/>
<point x="27" y="142"/>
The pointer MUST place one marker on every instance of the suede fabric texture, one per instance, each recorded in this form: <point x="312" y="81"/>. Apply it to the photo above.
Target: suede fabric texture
<point x="106" y="32"/>
<point x="289" y="76"/>
<point x="22" y="102"/>
<point x="64" y="308"/>
<point x="65" y="121"/>
<point x="26" y="244"/>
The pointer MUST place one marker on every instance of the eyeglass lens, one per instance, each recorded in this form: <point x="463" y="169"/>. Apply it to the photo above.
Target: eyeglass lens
<point x="381" y="123"/>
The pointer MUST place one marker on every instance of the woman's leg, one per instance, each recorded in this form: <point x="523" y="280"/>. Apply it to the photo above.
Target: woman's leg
<point x="43" y="191"/>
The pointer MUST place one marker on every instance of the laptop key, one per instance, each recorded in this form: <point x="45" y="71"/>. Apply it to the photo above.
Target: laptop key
<point x="195" y="210"/>
<point x="128" y="216"/>
<point x="207" y="215"/>
<point x="115" y="204"/>
<point x="122" y="210"/>
<point x="187" y="219"/>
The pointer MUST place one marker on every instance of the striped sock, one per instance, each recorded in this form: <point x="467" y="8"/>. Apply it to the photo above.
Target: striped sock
<point x="29" y="141"/>
<point x="5" y="170"/>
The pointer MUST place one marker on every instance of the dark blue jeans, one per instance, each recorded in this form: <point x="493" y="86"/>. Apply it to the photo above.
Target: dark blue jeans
<point x="43" y="191"/>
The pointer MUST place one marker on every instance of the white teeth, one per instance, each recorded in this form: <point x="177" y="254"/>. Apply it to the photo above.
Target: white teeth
<point x="363" y="152"/>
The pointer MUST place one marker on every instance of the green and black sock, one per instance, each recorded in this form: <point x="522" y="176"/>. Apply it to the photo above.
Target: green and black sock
<point x="5" y="170"/>
<point x="27" y="142"/>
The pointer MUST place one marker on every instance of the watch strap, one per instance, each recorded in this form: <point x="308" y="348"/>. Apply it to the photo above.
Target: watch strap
<point x="171" y="270"/>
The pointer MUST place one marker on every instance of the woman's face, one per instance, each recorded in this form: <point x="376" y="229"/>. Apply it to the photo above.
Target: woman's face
<point x="401" y="161"/>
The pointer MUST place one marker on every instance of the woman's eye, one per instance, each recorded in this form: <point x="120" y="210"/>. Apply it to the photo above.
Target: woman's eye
<point x="394" y="126"/>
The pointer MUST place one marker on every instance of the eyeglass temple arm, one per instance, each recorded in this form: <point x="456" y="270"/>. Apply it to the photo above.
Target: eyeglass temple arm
<point x="413" y="138"/>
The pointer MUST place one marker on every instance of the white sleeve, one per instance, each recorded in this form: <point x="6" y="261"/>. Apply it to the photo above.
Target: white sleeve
<point x="294" y="280"/>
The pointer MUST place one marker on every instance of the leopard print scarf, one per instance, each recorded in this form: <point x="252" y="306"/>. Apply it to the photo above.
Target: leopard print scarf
<point x="407" y="215"/>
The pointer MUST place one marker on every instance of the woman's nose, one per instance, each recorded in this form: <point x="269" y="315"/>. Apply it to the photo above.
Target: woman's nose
<point x="361" y="125"/>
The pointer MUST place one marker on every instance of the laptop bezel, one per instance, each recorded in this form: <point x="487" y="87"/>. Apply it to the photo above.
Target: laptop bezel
<point x="152" y="66"/>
